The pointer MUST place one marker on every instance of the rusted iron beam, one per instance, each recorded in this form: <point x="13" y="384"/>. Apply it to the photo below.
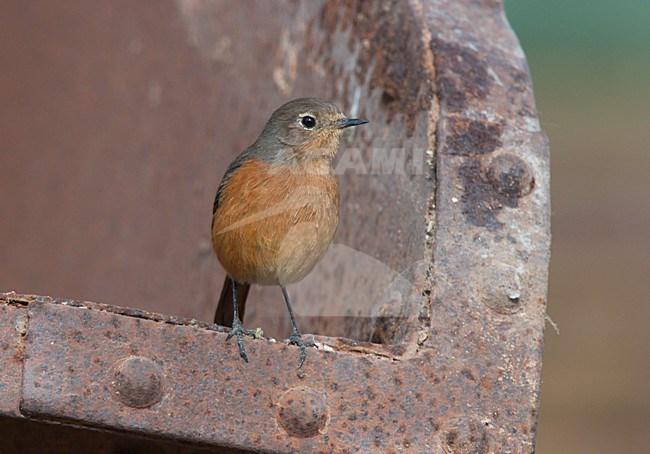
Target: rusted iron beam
<point x="462" y="239"/>
<point x="13" y="328"/>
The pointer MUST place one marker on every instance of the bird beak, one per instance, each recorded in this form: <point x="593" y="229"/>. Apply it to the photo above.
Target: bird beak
<point x="347" y="122"/>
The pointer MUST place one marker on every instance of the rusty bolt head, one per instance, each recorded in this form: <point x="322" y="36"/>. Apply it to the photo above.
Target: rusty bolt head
<point x="501" y="289"/>
<point x="302" y="412"/>
<point x="138" y="382"/>
<point x="510" y="176"/>
<point x="464" y="436"/>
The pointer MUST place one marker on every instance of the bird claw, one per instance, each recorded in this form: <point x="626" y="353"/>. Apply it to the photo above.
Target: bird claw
<point x="296" y="339"/>
<point x="239" y="331"/>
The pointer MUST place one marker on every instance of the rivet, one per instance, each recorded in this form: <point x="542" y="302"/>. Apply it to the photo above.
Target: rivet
<point x="138" y="382"/>
<point x="302" y="412"/>
<point x="510" y="176"/>
<point x="464" y="436"/>
<point x="501" y="289"/>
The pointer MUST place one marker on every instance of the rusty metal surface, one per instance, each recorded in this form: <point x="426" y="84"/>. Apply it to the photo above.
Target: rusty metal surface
<point x="13" y="327"/>
<point x="444" y="264"/>
<point x="119" y="140"/>
<point x="203" y="393"/>
<point x="115" y="134"/>
<point x="491" y="246"/>
<point x="370" y="57"/>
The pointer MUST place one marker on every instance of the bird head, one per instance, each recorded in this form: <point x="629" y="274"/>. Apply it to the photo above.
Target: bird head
<point x="306" y="129"/>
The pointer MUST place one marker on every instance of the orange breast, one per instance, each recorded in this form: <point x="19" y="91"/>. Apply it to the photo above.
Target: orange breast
<point x="272" y="226"/>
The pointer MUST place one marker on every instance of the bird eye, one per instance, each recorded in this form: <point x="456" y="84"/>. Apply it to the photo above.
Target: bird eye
<point x="308" y="121"/>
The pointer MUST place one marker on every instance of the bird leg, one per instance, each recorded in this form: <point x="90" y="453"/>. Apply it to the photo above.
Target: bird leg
<point x="296" y="337"/>
<point x="237" y="326"/>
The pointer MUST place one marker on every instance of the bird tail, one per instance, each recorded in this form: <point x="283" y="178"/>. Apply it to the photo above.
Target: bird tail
<point x="224" y="314"/>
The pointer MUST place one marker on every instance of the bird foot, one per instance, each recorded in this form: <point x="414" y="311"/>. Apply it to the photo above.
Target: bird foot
<point x="296" y="339"/>
<point x="239" y="331"/>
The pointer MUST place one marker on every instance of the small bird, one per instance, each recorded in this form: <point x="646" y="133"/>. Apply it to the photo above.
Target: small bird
<point x="277" y="208"/>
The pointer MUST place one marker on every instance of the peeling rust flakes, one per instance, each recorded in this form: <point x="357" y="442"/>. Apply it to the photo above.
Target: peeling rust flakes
<point x="462" y="74"/>
<point x="480" y="203"/>
<point x="472" y="138"/>
<point x="465" y="74"/>
<point x="469" y="137"/>
<point x="485" y="191"/>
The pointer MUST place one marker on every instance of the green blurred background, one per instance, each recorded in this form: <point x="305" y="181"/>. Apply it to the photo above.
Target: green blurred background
<point x="590" y="61"/>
